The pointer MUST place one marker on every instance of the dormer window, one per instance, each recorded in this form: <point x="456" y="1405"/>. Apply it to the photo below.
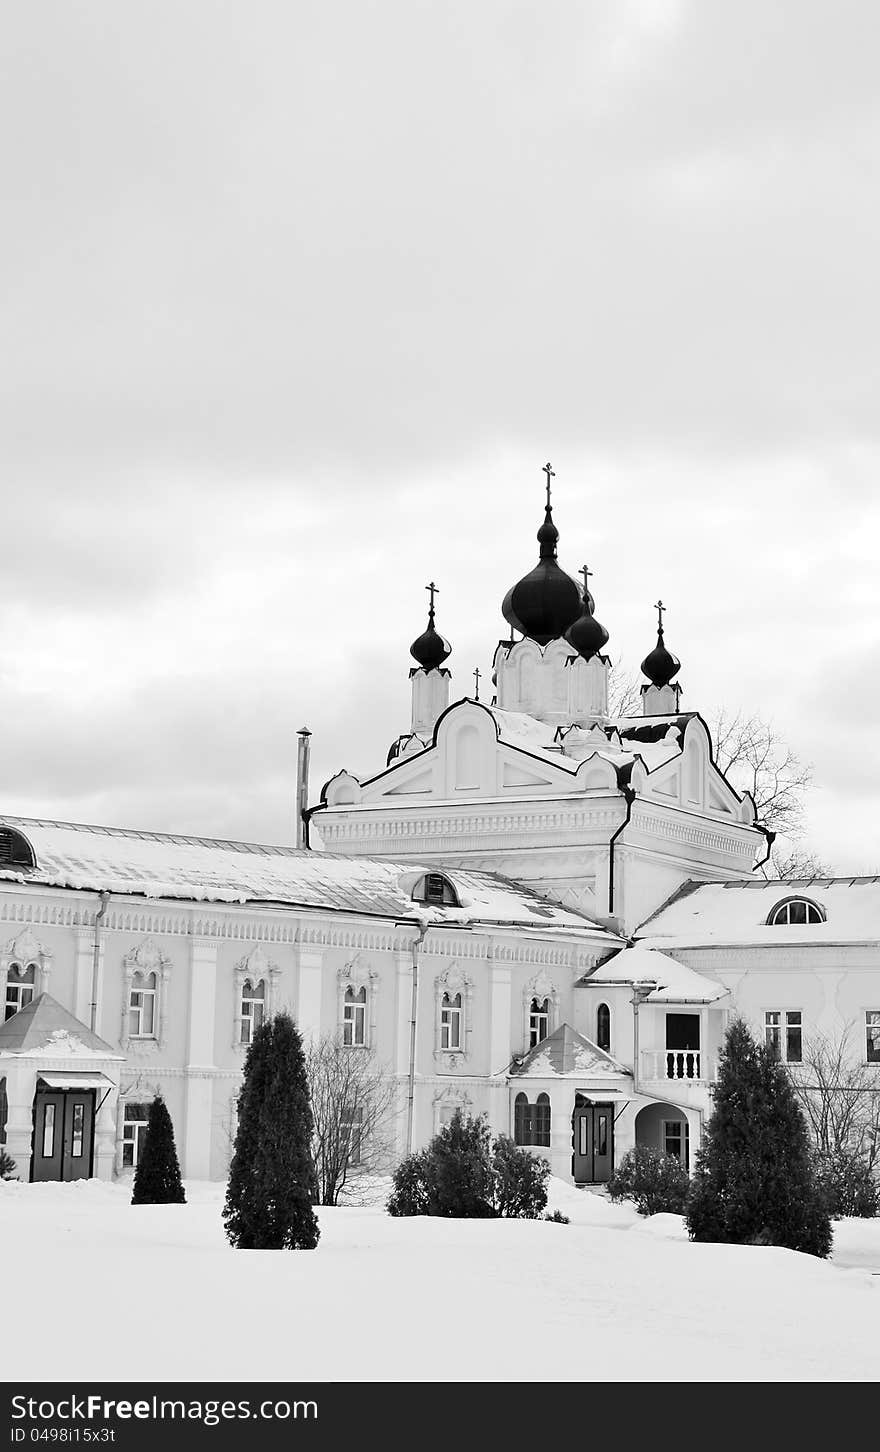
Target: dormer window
<point x="436" y="890"/>
<point x="15" y="849"/>
<point x="795" y="912"/>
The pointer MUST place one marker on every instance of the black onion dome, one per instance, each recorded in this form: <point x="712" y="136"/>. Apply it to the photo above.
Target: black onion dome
<point x="546" y="601"/>
<point x="587" y="635"/>
<point x="661" y="665"/>
<point x="430" y="649"/>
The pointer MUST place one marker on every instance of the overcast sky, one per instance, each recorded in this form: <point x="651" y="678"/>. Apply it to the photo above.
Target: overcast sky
<point x="298" y="298"/>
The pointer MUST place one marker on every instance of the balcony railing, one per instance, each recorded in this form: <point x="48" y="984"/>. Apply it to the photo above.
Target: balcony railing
<point x="683" y="1064"/>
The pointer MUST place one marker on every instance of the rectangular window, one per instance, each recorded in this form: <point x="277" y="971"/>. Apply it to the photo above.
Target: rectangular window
<point x="18" y="996"/>
<point x="48" y="1131"/>
<point x="872" y="1035"/>
<point x="134" y="1127"/>
<point x="676" y="1135"/>
<point x="351" y="1125"/>
<point x="76" y="1142"/>
<point x="141" y="1013"/>
<point x="539" y="1021"/>
<point x="450" y="1022"/>
<point x="354" y="1020"/>
<point x="252" y="1010"/>
<point x="783" y="1033"/>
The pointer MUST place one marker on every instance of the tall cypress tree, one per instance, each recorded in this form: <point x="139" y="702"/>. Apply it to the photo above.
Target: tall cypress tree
<point x="157" y="1176"/>
<point x="269" y="1195"/>
<point x="754" y="1182"/>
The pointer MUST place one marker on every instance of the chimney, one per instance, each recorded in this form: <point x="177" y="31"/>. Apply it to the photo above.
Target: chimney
<point x="303" y="745"/>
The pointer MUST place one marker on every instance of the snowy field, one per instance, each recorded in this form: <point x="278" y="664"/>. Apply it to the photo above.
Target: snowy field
<point x="154" y="1293"/>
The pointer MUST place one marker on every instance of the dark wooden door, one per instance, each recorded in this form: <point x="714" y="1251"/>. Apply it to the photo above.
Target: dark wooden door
<point x="593" y="1143"/>
<point x="64" y="1132"/>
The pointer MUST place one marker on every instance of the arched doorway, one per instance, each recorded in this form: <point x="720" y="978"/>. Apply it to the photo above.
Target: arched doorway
<point x="665" y="1127"/>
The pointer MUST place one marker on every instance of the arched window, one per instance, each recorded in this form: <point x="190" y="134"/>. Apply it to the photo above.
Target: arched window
<point x="520" y="1119"/>
<point x="436" y="890"/>
<point x="20" y="987"/>
<point x="142" y="1006"/>
<point x="531" y="1122"/>
<point x="253" y="1008"/>
<point x="603" y="1027"/>
<point x="15" y="849"/>
<point x="539" y="1020"/>
<point x="354" y="1018"/>
<point x="795" y="912"/>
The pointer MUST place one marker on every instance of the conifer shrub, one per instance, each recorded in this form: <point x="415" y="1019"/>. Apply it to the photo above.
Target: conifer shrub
<point x="557" y="1217"/>
<point x="463" y="1172"/>
<point x="272" y="1177"/>
<point x="7" y="1166"/>
<point x="157" y="1176"/>
<point x="656" y="1183"/>
<point x="848" y="1184"/>
<point x="755" y="1181"/>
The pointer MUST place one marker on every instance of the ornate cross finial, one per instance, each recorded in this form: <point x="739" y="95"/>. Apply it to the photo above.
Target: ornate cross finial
<point x="586" y="574"/>
<point x="477" y="674"/>
<point x="434" y="591"/>
<point x="551" y="474"/>
<point x="660" y="608"/>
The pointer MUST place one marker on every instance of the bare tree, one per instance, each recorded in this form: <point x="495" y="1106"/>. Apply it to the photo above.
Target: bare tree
<point x="792" y="864"/>
<point x="755" y="758"/>
<point x="353" y="1103"/>
<point x="840" y="1097"/>
<point x="624" y="695"/>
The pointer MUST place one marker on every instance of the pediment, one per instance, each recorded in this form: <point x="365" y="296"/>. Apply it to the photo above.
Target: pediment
<point x="517" y="776"/>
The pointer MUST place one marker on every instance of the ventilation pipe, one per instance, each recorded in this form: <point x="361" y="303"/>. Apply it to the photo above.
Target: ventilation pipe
<point x="303" y="747"/>
<point x="96" y="958"/>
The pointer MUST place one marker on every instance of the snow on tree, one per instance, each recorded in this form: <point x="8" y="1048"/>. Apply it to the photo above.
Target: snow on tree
<point x="157" y="1176"/>
<point x="271" y="1179"/>
<point x="755" y="1182"/>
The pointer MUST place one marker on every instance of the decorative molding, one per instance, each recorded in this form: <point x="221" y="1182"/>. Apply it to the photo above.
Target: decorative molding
<point x="451" y="1096"/>
<point x="541" y="987"/>
<point x="357" y="974"/>
<point x="23" y="950"/>
<point x="255" y="967"/>
<point x="142" y="962"/>
<point x="453" y="980"/>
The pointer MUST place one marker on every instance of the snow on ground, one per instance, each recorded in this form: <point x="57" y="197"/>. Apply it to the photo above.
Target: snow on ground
<point x="155" y="1293"/>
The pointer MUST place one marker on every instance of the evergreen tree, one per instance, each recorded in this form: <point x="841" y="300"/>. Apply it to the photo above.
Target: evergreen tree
<point x="157" y="1177"/>
<point x="755" y="1181"/>
<point x="272" y="1179"/>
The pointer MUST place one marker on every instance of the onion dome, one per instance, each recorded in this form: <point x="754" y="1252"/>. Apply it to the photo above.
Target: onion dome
<point x="430" y="649"/>
<point x="661" y="665"/>
<point x="587" y="635"/>
<point x="546" y="601"/>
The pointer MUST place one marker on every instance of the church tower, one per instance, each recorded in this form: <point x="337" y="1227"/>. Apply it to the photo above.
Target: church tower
<point x="608" y="816"/>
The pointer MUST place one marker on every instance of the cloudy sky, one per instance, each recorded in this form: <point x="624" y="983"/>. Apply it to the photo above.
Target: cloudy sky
<point x="298" y="298"/>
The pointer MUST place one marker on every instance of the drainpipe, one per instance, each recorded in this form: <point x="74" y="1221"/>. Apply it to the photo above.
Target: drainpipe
<point x="630" y="796"/>
<point x="771" y="838"/>
<point x="303" y="747"/>
<point x="99" y="919"/>
<point x="411" y="1080"/>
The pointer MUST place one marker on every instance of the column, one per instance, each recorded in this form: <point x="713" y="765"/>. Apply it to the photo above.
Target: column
<point x="199" y="1057"/>
<point x="403" y="981"/>
<point x="499" y="1044"/>
<point x="308" y="1008"/>
<point x="561" y="1109"/>
<point x="105" y="1135"/>
<point x="21" y="1082"/>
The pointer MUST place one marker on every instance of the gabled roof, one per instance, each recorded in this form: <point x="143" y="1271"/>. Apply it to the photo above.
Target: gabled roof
<point x="202" y="869"/>
<point x="707" y="914"/>
<point x="671" y="981"/>
<point x="566" y="1053"/>
<point x="45" y="1029"/>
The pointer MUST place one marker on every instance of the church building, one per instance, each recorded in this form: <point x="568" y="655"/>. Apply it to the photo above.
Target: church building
<point x="531" y="909"/>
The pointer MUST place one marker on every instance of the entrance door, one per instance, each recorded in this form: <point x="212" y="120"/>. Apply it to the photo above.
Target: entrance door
<point x="593" y="1143"/>
<point x="64" y="1127"/>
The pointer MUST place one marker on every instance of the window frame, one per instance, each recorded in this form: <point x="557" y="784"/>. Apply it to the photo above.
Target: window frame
<point x="22" y="984"/>
<point x="532" y="1121"/>
<point x="355" y="999"/>
<point x="451" y="1013"/>
<point x="140" y="1128"/>
<point x="778" y="1035"/>
<point x="872" y="1026"/>
<point x="138" y="988"/>
<point x="435" y="889"/>
<point x="254" y="1000"/>
<point x="606" y="1047"/>
<point x="682" y="1131"/>
<point x="537" y="1016"/>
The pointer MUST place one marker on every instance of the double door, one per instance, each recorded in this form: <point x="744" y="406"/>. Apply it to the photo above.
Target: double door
<point x="64" y="1131"/>
<point x="593" y="1143"/>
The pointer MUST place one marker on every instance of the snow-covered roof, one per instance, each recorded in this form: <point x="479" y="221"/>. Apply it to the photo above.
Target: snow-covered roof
<point x="707" y="913"/>
<point x="566" y="1053"/>
<point x="656" y="739"/>
<point x="672" y="981"/>
<point x="45" y="1029"/>
<point x="201" y="869"/>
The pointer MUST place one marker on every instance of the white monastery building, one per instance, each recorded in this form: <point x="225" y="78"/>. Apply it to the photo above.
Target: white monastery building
<point x="530" y="909"/>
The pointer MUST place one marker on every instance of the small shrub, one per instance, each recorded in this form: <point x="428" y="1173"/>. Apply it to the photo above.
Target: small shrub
<point x="520" y="1190"/>
<point x="464" y="1172"/>
<point x="848" y="1184"/>
<point x="657" y="1183"/>
<point x="557" y="1217"/>
<point x="7" y="1166"/>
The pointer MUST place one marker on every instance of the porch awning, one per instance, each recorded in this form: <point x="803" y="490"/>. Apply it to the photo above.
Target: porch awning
<point x="76" y="1080"/>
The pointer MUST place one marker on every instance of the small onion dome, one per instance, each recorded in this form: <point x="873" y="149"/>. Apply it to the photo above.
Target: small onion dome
<point x="546" y="601"/>
<point x="661" y="665"/>
<point x="587" y="635"/>
<point x="430" y="649"/>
